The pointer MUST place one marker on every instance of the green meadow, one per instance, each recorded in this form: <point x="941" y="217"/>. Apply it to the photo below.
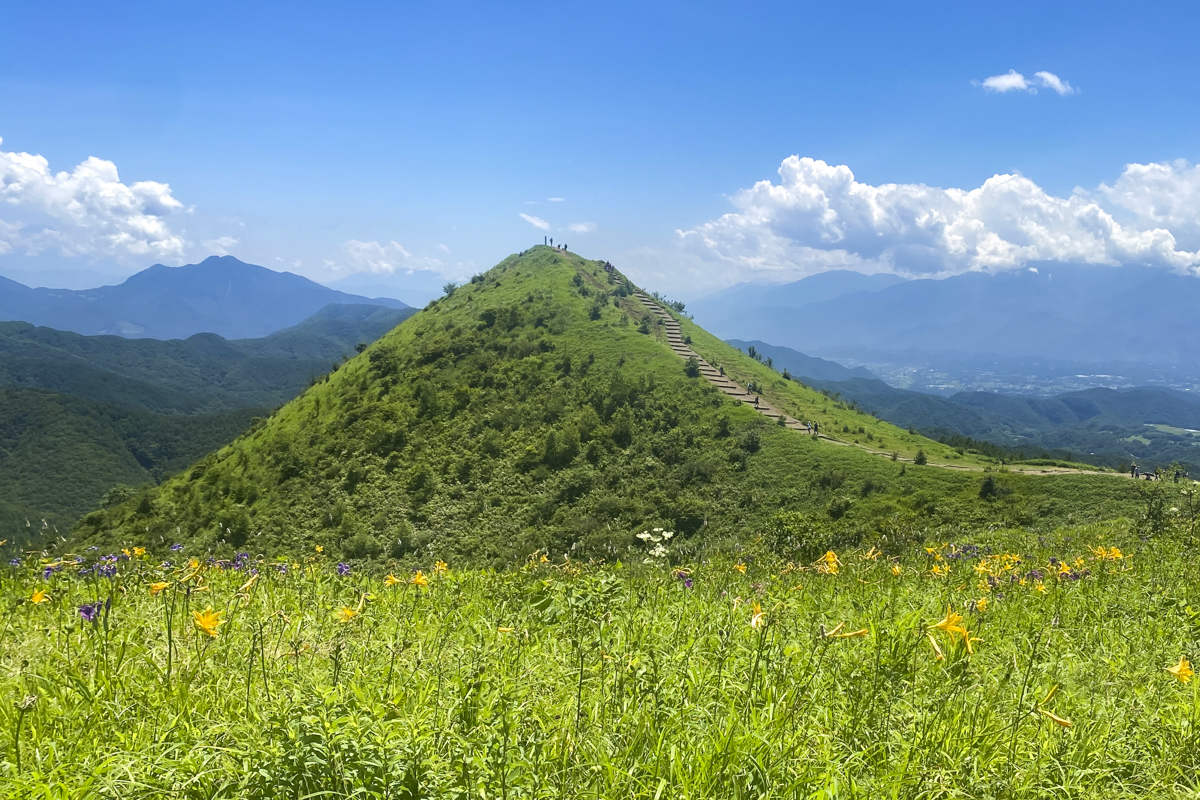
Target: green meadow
<point x="1009" y="665"/>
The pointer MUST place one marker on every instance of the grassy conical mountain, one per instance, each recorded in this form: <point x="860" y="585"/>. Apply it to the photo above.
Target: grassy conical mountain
<point x="542" y="406"/>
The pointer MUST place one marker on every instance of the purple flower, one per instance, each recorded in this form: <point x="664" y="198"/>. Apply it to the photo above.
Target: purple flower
<point x="165" y="565"/>
<point x="106" y="570"/>
<point x="79" y="559"/>
<point x="687" y="583"/>
<point x="16" y="562"/>
<point x="1035" y="575"/>
<point x="343" y="568"/>
<point x="282" y="568"/>
<point x="89" y="611"/>
<point x="175" y="548"/>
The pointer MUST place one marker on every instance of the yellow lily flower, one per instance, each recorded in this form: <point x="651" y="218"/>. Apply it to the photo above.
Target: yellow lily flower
<point x="419" y="579"/>
<point x="739" y="567"/>
<point x="440" y="567"/>
<point x="951" y="623"/>
<point x="346" y="614"/>
<point x="757" y="618"/>
<point x="208" y="621"/>
<point x="391" y="580"/>
<point x="155" y="588"/>
<point x="39" y="596"/>
<point x="1182" y="670"/>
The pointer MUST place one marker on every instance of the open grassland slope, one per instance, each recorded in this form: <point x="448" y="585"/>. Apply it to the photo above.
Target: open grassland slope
<point x="1014" y="665"/>
<point x="541" y="407"/>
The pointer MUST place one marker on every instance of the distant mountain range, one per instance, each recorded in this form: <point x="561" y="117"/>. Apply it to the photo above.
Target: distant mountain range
<point x="799" y="365"/>
<point x="416" y="287"/>
<point x="1152" y="426"/>
<point x="81" y="414"/>
<point x="1062" y="312"/>
<point x="220" y="295"/>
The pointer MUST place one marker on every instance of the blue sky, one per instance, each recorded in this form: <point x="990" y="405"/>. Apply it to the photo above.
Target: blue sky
<point x="389" y="137"/>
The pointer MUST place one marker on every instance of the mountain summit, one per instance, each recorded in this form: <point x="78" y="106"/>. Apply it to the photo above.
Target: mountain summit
<point x="220" y="295"/>
<point x="545" y="406"/>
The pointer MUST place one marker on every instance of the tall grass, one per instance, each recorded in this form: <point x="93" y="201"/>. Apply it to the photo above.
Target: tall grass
<point x="644" y="680"/>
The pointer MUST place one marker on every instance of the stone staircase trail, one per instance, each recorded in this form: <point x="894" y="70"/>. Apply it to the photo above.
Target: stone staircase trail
<point x="736" y="391"/>
<point x="727" y="386"/>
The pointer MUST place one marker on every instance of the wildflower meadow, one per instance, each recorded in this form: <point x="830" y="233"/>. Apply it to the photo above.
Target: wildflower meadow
<point x="1046" y="666"/>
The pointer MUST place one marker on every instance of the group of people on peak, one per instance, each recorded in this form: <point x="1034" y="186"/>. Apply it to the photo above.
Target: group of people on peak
<point x="549" y="240"/>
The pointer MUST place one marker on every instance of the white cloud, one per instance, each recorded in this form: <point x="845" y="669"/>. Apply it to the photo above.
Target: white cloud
<point x="1009" y="82"/>
<point x="1052" y="81"/>
<point x="556" y="199"/>
<point x="219" y="246"/>
<point x="87" y="211"/>
<point x="443" y="248"/>
<point x="387" y="258"/>
<point x="536" y="222"/>
<point x="582" y="227"/>
<point x="818" y="217"/>
<point x="1013" y="81"/>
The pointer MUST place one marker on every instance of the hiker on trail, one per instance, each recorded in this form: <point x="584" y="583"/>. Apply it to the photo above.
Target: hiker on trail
<point x="816" y="429"/>
<point x="1133" y="471"/>
<point x="756" y="402"/>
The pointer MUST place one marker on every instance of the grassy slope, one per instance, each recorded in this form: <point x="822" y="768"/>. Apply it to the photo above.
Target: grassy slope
<point x="504" y="419"/>
<point x="59" y="455"/>
<point x="82" y="414"/>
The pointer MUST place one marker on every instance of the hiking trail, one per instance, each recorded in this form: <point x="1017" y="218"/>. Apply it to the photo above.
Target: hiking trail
<point x="735" y="391"/>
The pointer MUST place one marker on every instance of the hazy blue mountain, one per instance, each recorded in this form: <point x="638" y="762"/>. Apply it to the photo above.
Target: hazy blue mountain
<point x="1063" y="312"/>
<point x="416" y="288"/>
<point x="726" y="311"/>
<point x="1104" y="426"/>
<point x="800" y="365"/>
<point x="219" y="295"/>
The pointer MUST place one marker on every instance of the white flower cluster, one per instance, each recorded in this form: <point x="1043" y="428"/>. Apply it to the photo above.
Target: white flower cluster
<point x="656" y="539"/>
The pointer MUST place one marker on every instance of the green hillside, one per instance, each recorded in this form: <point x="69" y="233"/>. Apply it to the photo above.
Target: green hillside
<point x="80" y="415"/>
<point x="202" y="374"/>
<point x="539" y="407"/>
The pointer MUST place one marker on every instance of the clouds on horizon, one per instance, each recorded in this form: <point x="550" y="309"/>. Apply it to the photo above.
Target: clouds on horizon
<point x="818" y="217"/>
<point x="1013" y="81"/>
<point x="391" y="258"/>
<point x="85" y="212"/>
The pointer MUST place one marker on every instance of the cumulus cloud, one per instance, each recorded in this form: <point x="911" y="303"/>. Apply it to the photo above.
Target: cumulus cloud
<point x="87" y="211"/>
<point x="1013" y="81"/>
<point x="536" y="222"/>
<point x="1052" y="81"/>
<point x="818" y="217"/>
<point x="556" y="199"/>
<point x="582" y="227"/>
<point x="219" y="246"/>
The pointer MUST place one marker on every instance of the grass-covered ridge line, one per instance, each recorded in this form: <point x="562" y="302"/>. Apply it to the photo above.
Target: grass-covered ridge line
<point x="1018" y="665"/>
<point x="534" y="409"/>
